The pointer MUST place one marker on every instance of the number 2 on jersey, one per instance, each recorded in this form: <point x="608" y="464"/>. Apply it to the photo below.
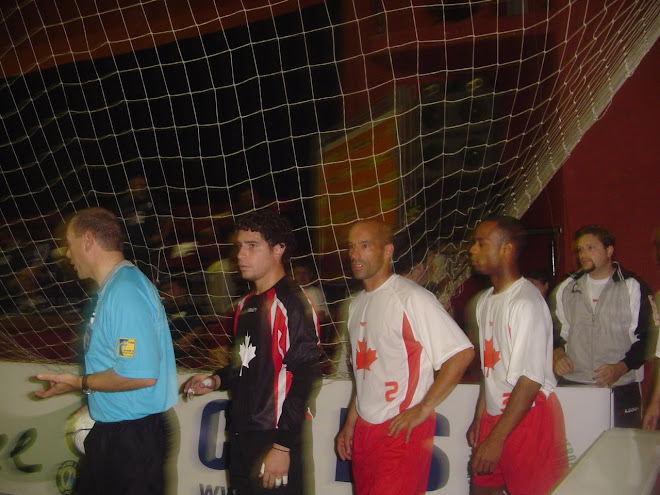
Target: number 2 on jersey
<point x="391" y="389"/>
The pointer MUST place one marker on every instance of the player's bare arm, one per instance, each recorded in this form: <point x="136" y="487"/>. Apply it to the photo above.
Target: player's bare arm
<point x="275" y="469"/>
<point x="473" y="430"/>
<point x="447" y="378"/>
<point x="58" y="384"/>
<point x="487" y="454"/>
<point x="608" y="374"/>
<point x="561" y="363"/>
<point x="652" y="412"/>
<point x="344" y="439"/>
<point x="103" y="381"/>
<point x="200" y="385"/>
<point x="651" y="415"/>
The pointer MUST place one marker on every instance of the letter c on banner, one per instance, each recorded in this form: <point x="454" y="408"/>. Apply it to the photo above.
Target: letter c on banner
<point x="210" y="435"/>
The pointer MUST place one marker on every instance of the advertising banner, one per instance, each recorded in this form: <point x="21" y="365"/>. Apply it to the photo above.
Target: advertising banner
<point x="37" y="456"/>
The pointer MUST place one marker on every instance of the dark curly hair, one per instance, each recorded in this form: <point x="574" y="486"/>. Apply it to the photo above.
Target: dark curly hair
<point x="273" y="227"/>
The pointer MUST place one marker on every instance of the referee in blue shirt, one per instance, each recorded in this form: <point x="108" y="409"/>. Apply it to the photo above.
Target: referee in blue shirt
<point x="130" y="372"/>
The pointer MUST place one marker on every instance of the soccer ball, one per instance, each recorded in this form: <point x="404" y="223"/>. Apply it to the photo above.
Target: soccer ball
<point x="79" y="426"/>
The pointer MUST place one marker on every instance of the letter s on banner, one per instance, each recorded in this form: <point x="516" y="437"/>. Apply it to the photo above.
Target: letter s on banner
<point x="439" y="473"/>
<point x="210" y="435"/>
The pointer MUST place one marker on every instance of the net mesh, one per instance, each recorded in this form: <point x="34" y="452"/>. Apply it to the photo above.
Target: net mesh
<point x="181" y="117"/>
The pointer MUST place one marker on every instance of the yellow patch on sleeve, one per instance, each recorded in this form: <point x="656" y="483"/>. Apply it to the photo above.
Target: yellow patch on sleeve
<point x="126" y="348"/>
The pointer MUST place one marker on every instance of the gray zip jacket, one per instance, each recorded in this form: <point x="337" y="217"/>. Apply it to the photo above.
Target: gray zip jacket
<point x="615" y="331"/>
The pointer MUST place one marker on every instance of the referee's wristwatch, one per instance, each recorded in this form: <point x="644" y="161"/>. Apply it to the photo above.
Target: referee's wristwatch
<point x="85" y="388"/>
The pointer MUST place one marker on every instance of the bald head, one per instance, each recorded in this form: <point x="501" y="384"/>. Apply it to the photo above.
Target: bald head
<point x="370" y="248"/>
<point x="381" y="231"/>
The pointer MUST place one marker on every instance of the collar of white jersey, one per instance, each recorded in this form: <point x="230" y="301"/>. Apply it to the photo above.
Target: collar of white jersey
<point x="383" y="285"/>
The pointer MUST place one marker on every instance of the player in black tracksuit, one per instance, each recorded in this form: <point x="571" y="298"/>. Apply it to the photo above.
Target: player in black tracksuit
<point x="274" y="363"/>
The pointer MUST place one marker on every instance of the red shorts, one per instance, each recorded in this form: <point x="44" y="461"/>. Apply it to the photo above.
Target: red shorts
<point x="384" y="465"/>
<point x="534" y="457"/>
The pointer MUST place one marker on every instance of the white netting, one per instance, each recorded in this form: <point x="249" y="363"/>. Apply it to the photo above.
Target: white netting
<point x="180" y="116"/>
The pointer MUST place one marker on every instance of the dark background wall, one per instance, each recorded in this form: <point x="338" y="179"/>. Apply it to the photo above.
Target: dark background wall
<point x="611" y="178"/>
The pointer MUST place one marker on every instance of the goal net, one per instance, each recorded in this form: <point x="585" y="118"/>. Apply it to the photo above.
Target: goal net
<point x="182" y="116"/>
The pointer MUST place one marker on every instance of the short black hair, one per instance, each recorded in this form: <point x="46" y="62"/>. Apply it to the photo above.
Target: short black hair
<point x="512" y="230"/>
<point x="304" y="263"/>
<point x="604" y="235"/>
<point x="540" y="275"/>
<point x="273" y="227"/>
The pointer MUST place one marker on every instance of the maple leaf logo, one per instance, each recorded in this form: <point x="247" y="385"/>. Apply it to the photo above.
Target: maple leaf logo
<point x="247" y="353"/>
<point x="365" y="357"/>
<point x="491" y="356"/>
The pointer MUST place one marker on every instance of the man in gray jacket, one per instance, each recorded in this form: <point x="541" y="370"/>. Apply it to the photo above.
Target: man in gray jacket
<point x="604" y="316"/>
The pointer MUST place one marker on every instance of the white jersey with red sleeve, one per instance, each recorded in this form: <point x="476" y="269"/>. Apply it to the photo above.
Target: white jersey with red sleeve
<point x="515" y="335"/>
<point x="399" y="335"/>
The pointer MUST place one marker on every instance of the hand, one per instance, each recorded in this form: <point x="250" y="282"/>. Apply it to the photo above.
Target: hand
<point x="473" y="432"/>
<point x="275" y="468"/>
<point x="486" y="455"/>
<point x="651" y="416"/>
<point x="407" y="420"/>
<point x="61" y="383"/>
<point x="608" y="374"/>
<point x="562" y="364"/>
<point x="344" y="441"/>
<point x="200" y="385"/>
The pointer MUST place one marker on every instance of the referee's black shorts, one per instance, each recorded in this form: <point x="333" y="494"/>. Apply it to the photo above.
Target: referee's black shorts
<point x="126" y="457"/>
